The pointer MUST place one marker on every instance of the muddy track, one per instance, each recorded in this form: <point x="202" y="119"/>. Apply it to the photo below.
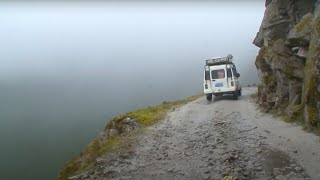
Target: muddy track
<point x="215" y="140"/>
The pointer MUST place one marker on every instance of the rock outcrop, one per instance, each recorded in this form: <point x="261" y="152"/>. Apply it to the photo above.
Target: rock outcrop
<point x="288" y="62"/>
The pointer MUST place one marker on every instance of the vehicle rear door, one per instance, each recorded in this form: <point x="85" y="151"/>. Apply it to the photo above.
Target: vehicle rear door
<point x="219" y="80"/>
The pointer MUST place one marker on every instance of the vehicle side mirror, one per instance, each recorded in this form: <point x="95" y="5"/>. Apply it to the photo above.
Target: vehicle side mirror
<point x="238" y="75"/>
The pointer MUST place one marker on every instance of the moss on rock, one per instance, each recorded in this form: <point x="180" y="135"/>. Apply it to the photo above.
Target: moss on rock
<point x="295" y="113"/>
<point x="311" y="96"/>
<point x="304" y="23"/>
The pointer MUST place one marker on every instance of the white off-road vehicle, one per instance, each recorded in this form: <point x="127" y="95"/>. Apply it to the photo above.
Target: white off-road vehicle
<point x="221" y="77"/>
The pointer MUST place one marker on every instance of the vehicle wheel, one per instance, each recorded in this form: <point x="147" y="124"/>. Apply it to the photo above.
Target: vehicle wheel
<point x="236" y="95"/>
<point x="240" y="92"/>
<point x="209" y="97"/>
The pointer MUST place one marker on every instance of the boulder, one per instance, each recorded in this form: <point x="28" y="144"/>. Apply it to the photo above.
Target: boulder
<point x="279" y="17"/>
<point x="300" y="34"/>
<point x="303" y="52"/>
<point x="280" y="48"/>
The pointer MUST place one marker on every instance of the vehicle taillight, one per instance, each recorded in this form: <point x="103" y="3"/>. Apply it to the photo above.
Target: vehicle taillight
<point x="232" y="83"/>
<point x="206" y="86"/>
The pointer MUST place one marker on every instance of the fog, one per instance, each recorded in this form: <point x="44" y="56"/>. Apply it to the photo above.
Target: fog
<point x="66" y="68"/>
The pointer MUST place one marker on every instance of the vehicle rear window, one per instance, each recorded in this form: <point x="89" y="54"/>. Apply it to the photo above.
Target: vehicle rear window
<point x="218" y="74"/>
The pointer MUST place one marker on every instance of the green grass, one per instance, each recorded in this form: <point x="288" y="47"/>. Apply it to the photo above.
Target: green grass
<point x="152" y="114"/>
<point x="96" y="148"/>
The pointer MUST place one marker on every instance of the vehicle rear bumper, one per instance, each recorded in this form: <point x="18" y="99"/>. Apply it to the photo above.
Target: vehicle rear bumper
<point x="225" y="91"/>
<point x="207" y="91"/>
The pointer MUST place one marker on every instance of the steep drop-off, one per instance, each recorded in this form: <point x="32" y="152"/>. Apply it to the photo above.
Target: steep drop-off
<point x="288" y="62"/>
<point x="117" y="134"/>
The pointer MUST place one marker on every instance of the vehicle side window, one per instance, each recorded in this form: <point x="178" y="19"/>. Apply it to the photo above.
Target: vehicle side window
<point x="207" y="75"/>
<point x="218" y="74"/>
<point x="229" y="72"/>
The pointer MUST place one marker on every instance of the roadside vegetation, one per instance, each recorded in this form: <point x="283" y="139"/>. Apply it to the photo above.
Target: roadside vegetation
<point x="117" y="135"/>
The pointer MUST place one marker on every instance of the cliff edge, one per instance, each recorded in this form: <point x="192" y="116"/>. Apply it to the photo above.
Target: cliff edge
<point x="224" y="139"/>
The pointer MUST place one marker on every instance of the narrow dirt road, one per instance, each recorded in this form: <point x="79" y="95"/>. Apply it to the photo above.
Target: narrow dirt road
<point x="216" y="140"/>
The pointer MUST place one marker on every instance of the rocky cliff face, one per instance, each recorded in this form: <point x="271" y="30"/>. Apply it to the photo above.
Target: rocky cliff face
<point x="289" y="59"/>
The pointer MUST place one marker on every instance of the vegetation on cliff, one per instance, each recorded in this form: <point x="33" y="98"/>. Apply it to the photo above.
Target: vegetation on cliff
<point x="117" y="133"/>
<point x="289" y="61"/>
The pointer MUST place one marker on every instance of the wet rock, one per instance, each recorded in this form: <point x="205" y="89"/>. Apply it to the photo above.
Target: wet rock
<point x="276" y="171"/>
<point x="188" y="153"/>
<point x="259" y="168"/>
<point x="211" y="163"/>
<point x="112" y="132"/>
<point x="303" y="52"/>
<point x="205" y="176"/>
<point x="219" y="140"/>
<point x="204" y="155"/>
<point x="237" y="169"/>
<point x="298" y="169"/>
<point x="246" y="173"/>
<point x="245" y="158"/>
<point x="172" y="170"/>
<point x="280" y="177"/>
<point x="292" y="176"/>
<point x="259" y="150"/>
<point x="206" y="171"/>
<point x="217" y="169"/>
<point x="226" y="171"/>
<point x="213" y="146"/>
<point x="267" y="131"/>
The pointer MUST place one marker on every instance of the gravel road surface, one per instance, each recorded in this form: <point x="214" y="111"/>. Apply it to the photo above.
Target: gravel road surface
<point x="223" y="139"/>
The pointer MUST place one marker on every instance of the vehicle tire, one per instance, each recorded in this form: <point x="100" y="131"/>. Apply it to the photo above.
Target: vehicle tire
<point x="236" y="95"/>
<point x="209" y="97"/>
<point x="240" y="92"/>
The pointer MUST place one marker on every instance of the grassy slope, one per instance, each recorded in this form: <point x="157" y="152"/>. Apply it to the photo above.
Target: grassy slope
<point x="96" y="148"/>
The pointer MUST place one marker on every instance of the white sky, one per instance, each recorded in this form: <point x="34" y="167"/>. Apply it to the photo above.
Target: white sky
<point x="58" y="39"/>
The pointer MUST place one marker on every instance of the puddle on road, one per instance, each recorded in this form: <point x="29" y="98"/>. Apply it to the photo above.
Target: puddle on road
<point x="275" y="159"/>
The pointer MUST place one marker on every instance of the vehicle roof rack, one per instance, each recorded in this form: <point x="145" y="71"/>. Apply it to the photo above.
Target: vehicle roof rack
<point x="219" y="61"/>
